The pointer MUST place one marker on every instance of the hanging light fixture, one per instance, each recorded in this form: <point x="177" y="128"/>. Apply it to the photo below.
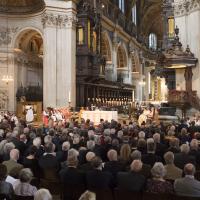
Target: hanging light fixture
<point x="7" y="78"/>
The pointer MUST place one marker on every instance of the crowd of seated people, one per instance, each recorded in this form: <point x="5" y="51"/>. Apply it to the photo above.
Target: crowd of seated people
<point x="80" y="156"/>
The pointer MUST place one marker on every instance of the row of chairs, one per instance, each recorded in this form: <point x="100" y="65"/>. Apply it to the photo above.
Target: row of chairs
<point x="74" y="192"/>
<point x="108" y="195"/>
<point x="16" y="197"/>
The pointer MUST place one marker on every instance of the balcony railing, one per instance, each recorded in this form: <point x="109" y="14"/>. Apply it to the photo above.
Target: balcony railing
<point x="112" y="12"/>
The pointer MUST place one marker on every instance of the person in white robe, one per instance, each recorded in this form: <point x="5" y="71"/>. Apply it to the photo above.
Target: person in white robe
<point x="29" y="115"/>
<point x="143" y="117"/>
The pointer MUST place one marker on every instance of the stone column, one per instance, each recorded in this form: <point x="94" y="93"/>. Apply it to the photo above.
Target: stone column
<point x="188" y="79"/>
<point x="59" y="81"/>
<point x="66" y="59"/>
<point x="115" y="46"/>
<point x="50" y="60"/>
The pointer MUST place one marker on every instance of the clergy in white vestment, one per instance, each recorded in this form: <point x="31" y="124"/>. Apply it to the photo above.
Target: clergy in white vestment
<point x="29" y="115"/>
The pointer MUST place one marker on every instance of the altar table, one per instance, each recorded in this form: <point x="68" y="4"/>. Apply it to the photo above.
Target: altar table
<point x="96" y="115"/>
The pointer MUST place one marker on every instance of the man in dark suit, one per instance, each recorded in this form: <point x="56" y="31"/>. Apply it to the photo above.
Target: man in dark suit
<point x="19" y="144"/>
<point x="49" y="163"/>
<point x="192" y="129"/>
<point x="87" y="166"/>
<point x="133" y="180"/>
<point x="187" y="186"/>
<point x="146" y="169"/>
<point x="72" y="179"/>
<point x="13" y="167"/>
<point x="150" y="158"/>
<point x="195" y="151"/>
<point x="182" y="158"/>
<point x="113" y="165"/>
<point x="62" y="155"/>
<point x="160" y="148"/>
<point x="96" y="178"/>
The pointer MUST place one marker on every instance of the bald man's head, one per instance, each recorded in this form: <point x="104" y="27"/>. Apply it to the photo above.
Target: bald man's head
<point x="189" y="169"/>
<point x="14" y="154"/>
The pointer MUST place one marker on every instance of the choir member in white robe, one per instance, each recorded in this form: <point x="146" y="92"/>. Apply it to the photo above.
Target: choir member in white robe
<point x="29" y="115"/>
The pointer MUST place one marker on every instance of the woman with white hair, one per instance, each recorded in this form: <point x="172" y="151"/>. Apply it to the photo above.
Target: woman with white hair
<point x="87" y="195"/>
<point x="158" y="184"/>
<point x="23" y="187"/>
<point x="7" y="149"/>
<point x="43" y="194"/>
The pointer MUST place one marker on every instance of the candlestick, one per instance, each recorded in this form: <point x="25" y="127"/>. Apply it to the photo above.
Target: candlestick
<point x="69" y="99"/>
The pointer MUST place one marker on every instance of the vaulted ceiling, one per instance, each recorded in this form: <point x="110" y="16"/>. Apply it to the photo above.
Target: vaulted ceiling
<point x="150" y="12"/>
<point x="150" y="16"/>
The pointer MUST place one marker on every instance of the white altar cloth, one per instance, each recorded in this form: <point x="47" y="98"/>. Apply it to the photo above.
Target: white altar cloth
<point x="96" y="115"/>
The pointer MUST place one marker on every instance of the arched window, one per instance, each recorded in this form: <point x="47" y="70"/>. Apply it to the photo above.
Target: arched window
<point x="134" y="15"/>
<point x="121" y="5"/>
<point x="152" y="41"/>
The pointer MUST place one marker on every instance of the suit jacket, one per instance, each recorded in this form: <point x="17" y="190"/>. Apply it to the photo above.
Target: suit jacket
<point x="86" y="167"/>
<point x="6" y="189"/>
<point x="19" y="145"/>
<point x="130" y="181"/>
<point x="160" y="149"/>
<point x="72" y="176"/>
<point x="150" y="159"/>
<point x="173" y="172"/>
<point x="50" y="166"/>
<point x="13" y="168"/>
<point x="181" y="159"/>
<point x="187" y="186"/>
<point x="97" y="179"/>
<point x="113" y="167"/>
<point x="146" y="171"/>
<point x="196" y="154"/>
<point x="49" y="161"/>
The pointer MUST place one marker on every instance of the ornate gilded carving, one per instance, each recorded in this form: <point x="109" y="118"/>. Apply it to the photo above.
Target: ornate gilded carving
<point x="6" y="35"/>
<point x="3" y="99"/>
<point x="60" y="21"/>
<point x="186" y="6"/>
<point x="49" y="19"/>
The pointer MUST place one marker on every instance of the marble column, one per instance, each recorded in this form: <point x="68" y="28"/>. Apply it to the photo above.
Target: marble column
<point x="50" y="60"/>
<point x="59" y="81"/>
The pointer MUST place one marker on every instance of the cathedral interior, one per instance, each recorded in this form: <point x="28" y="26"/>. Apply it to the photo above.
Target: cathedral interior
<point x="99" y="100"/>
<point x="98" y="52"/>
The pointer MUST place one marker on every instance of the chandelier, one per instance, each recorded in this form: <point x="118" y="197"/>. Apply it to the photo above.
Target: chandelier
<point x="7" y="78"/>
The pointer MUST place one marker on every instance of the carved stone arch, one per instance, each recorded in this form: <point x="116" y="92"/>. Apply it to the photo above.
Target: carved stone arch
<point x="17" y="37"/>
<point x="28" y="63"/>
<point x="106" y="46"/>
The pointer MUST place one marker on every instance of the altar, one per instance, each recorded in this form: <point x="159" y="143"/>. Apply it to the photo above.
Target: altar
<point x="96" y="115"/>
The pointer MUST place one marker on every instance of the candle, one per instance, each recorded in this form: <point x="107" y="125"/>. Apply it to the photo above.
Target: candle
<point x="69" y="96"/>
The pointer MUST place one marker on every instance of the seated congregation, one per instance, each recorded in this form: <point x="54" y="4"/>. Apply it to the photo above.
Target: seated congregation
<point x="110" y="159"/>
